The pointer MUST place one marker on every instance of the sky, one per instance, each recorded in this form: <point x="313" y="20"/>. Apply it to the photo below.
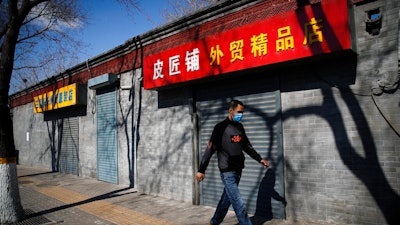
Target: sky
<point x="108" y="25"/>
<point x="111" y="24"/>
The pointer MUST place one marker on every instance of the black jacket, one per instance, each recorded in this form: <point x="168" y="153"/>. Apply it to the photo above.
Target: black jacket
<point x="229" y="140"/>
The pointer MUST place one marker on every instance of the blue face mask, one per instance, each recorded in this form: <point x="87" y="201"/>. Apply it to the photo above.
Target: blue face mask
<point x="237" y="117"/>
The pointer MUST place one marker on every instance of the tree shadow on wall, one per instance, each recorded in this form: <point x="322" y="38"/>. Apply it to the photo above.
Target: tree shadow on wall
<point x="366" y="167"/>
<point x="55" y="121"/>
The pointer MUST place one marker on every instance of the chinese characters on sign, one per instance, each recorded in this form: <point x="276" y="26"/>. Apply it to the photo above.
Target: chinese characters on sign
<point x="62" y="97"/>
<point x="192" y="61"/>
<point x="265" y="42"/>
<point x="313" y="32"/>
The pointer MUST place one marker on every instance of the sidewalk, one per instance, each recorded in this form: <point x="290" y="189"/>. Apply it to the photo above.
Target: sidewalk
<point x="55" y="198"/>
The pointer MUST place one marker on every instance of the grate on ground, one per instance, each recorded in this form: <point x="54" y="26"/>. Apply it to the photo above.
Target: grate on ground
<point x="34" y="220"/>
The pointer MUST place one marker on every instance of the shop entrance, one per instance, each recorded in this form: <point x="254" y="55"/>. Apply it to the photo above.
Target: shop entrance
<point x="262" y="189"/>
<point x="107" y="169"/>
<point x="69" y="156"/>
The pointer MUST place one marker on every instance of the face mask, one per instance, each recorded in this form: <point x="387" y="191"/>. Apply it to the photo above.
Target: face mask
<point x="237" y="117"/>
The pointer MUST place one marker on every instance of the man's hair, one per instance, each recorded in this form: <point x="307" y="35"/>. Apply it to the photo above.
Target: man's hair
<point x="234" y="103"/>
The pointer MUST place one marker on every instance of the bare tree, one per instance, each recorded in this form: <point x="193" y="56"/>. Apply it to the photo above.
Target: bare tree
<point x="47" y="37"/>
<point x="24" y="25"/>
<point x="179" y="8"/>
<point x="56" y="49"/>
<point x="27" y="29"/>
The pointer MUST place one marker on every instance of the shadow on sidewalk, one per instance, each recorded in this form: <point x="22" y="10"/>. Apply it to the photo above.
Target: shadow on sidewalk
<point x="105" y="196"/>
<point x="36" y="174"/>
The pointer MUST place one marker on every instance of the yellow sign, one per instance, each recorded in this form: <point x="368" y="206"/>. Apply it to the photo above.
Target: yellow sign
<point x="62" y="97"/>
<point x="8" y="160"/>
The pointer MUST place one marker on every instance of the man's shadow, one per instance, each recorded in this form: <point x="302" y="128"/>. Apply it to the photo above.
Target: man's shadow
<point x="266" y="193"/>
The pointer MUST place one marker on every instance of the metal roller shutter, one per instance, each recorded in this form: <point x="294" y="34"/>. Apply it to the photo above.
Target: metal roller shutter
<point x="69" y="146"/>
<point x="259" y="187"/>
<point x="107" y="136"/>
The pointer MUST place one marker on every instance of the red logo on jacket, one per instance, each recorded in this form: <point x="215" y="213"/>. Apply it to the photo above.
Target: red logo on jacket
<point x="236" y="138"/>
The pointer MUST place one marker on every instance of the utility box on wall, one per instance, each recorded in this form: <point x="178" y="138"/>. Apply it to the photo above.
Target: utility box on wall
<point x="102" y="81"/>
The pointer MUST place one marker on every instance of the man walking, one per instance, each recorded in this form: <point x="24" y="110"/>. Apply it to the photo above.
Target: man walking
<point x="229" y="140"/>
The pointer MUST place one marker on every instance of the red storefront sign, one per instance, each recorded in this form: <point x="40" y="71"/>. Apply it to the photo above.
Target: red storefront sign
<point x="316" y="29"/>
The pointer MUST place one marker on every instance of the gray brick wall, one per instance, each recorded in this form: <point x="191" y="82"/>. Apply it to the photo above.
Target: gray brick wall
<point x="34" y="150"/>
<point x="87" y="138"/>
<point x="164" y="157"/>
<point x="125" y="117"/>
<point x="342" y="157"/>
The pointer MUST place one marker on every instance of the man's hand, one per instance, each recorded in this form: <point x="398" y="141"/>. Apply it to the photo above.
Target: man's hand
<point x="265" y="163"/>
<point x="200" y="176"/>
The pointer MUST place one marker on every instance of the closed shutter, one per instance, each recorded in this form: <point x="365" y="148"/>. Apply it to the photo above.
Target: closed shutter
<point x="107" y="169"/>
<point x="262" y="189"/>
<point x="69" y="146"/>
